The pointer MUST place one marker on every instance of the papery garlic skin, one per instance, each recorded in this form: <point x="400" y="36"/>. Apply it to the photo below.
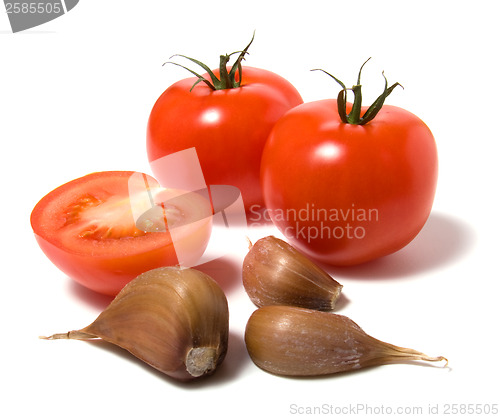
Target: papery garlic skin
<point x="275" y="273"/>
<point x="174" y="319"/>
<point x="293" y="341"/>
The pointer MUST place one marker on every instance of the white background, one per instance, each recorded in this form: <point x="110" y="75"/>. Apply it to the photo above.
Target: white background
<point x="75" y="95"/>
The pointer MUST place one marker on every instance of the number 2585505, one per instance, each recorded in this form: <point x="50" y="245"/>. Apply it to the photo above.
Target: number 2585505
<point x="33" y="8"/>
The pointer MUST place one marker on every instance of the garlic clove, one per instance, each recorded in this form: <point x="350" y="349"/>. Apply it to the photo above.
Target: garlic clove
<point x="293" y="341"/>
<point x="275" y="273"/>
<point x="174" y="319"/>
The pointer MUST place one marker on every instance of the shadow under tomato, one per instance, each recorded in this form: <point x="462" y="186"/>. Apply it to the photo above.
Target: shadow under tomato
<point x="96" y="300"/>
<point x="225" y="271"/>
<point x="443" y="240"/>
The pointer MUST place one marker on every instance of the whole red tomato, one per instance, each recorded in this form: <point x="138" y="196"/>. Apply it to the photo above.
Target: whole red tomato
<point x="346" y="189"/>
<point x="226" y="119"/>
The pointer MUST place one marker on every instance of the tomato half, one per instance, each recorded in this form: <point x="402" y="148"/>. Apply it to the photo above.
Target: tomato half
<point x="88" y="229"/>
<point x="344" y="193"/>
<point x="228" y="127"/>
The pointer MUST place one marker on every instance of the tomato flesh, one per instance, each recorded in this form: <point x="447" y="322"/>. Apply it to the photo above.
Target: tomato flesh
<point x="87" y="229"/>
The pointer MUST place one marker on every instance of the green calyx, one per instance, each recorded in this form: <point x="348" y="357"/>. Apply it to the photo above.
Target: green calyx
<point x="354" y="116"/>
<point x="227" y="78"/>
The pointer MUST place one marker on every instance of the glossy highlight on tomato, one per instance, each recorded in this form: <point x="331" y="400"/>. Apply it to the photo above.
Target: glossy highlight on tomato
<point x="227" y="127"/>
<point x="87" y="228"/>
<point x="344" y="193"/>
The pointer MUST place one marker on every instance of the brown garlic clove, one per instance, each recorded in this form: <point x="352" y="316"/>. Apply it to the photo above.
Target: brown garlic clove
<point x="293" y="341"/>
<point x="275" y="273"/>
<point x="174" y="319"/>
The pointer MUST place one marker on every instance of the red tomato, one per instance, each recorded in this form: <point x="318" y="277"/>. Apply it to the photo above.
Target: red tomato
<point x="344" y="193"/>
<point x="87" y="228"/>
<point x="227" y="127"/>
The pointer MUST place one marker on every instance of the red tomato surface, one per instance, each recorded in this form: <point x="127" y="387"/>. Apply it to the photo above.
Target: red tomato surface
<point x="87" y="229"/>
<point x="228" y="128"/>
<point x="345" y="194"/>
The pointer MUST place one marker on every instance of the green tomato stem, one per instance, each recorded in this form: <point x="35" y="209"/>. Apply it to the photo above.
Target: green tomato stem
<point x="227" y="78"/>
<point x="354" y="117"/>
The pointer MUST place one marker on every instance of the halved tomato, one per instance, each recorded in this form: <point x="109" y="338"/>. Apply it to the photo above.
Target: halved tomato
<point x="106" y="228"/>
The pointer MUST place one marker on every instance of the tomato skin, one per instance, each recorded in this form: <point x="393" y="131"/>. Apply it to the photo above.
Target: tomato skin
<point x="364" y="191"/>
<point x="105" y="264"/>
<point x="106" y="275"/>
<point x="228" y="128"/>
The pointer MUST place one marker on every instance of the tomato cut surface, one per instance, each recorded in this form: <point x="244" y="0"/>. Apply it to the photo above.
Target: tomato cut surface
<point x="106" y="228"/>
